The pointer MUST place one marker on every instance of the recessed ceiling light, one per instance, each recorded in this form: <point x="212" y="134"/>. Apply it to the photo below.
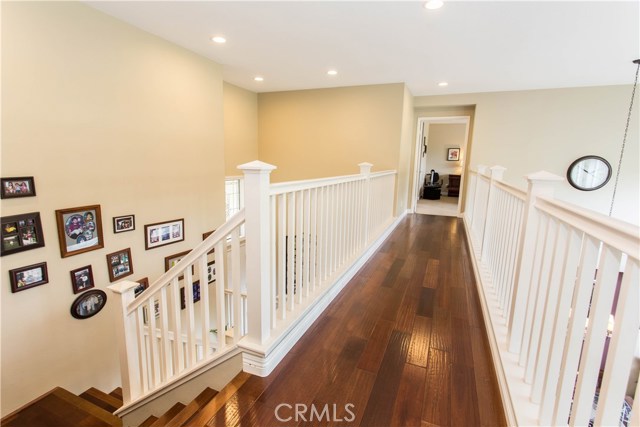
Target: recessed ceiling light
<point x="332" y="72"/>
<point x="218" y="39"/>
<point x="433" y="4"/>
<point x="443" y="84"/>
<point x="258" y="78"/>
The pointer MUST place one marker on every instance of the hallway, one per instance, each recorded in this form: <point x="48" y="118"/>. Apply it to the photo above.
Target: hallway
<point x="404" y="344"/>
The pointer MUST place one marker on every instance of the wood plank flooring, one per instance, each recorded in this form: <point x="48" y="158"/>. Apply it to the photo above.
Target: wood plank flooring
<point x="402" y="345"/>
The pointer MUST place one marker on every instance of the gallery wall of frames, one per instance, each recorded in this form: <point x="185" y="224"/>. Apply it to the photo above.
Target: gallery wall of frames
<point x="79" y="230"/>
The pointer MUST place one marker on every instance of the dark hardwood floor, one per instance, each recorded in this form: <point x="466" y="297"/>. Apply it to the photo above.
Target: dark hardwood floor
<point x="403" y="345"/>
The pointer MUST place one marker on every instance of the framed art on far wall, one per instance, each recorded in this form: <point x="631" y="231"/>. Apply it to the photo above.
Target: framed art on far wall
<point x="82" y="279"/>
<point x="17" y="187"/>
<point x="163" y="233"/>
<point x="453" y="154"/>
<point x="119" y="264"/>
<point x="28" y="277"/>
<point x="21" y="233"/>
<point x="79" y="230"/>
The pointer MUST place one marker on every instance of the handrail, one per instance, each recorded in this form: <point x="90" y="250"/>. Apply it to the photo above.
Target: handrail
<point x="285" y="187"/>
<point x="511" y="189"/>
<point x="204" y="247"/>
<point x="619" y="234"/>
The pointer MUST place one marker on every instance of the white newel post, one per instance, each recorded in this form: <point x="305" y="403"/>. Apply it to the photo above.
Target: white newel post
<point x="540" y="184"/>
<point x="365" y="170"/>
<point x="258" y="246"/>
<point x="125" y="325"/>
<point x="482" y="169"/>
<point x="496" y="174"/>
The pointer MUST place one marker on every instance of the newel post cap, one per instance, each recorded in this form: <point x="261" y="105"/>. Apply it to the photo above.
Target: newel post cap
<point x="257" y="166"/>
<point x="122" y="287"/>
<point x="365" y="168"/>
<point x="497" y="172"/>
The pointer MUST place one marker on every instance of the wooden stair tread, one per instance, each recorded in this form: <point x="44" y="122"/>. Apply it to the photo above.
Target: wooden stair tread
<point x="102" y="399"/>
<point x="60" y="407"/>
<point x="208" y="411"/>
<point x="117" y="393"/>
<point x="192" y="408"/>
<point x="167" y="416"/>
<point x="149" y="421"/>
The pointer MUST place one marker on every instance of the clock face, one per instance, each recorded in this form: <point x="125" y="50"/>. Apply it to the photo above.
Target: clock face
<point x="589" y="173"/>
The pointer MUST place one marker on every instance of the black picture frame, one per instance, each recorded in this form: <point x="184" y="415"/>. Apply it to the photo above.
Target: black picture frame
<point x="21" y="233"/>
<point x="28" y="277"/>
<point x="82" y="279"/>
<point x="88" y="304"/>
<point x="23" y="186"/>
<point x="143" y="284"/>
<point x="124" y="223"/>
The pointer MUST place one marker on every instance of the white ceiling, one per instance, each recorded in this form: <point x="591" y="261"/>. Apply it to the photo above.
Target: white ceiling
<point x="476" y="46"/>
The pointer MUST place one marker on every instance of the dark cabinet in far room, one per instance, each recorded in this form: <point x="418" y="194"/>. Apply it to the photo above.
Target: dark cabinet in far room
<point x="453" y="189"/>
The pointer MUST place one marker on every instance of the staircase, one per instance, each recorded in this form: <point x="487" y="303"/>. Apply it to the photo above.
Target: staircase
<point x="94" y="408"/>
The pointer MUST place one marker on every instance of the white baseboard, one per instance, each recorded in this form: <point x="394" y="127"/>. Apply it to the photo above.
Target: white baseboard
<point x="262" y="362"/>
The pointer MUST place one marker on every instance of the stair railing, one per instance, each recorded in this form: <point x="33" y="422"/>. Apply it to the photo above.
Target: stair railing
<point x="258" y="293"/>
<point x="559" y="287"/>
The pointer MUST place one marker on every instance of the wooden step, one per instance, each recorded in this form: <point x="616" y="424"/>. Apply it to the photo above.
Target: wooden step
<point x="167" y="416"/>
<point x="149" y="421"/>
<point x="192" y="408"/>
<point x="60" y="407"/>
<point x="117" y="393"/>
<point x="102" y="399"/>
<point x="219" y="401"/>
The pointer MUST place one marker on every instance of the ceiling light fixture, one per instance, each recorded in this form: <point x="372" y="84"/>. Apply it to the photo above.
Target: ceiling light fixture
<point x="258" y="78"/>
<point x="443" y="84"/>
<point x="218" y="39"/>
<point x="433" y="4"/>
<point x="332" y="72"/>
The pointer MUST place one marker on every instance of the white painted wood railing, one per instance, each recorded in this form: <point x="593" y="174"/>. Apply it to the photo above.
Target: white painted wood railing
<point x="255" y="294"/>
<point x="561" y="298"/>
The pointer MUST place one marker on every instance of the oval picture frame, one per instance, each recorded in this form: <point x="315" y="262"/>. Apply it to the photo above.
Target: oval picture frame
<point x="88" y="304"/>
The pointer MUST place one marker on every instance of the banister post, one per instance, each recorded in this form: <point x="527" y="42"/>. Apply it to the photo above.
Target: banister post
<point x="258" y="247"/>
<point x="539" y="184"/>
<point x="125" y="326"/>
<point x="482" y="169"/>
<point x="365" y="171"/>
<point x="495" y="173"/>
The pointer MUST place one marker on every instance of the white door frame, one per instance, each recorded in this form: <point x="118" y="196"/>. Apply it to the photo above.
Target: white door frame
<point x="418" y="154"/>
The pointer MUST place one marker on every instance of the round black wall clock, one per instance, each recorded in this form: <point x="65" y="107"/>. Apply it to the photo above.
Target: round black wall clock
<point x="589" y="173"/>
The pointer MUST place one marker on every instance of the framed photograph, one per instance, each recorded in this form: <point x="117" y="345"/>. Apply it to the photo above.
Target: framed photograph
<point x="163" y="233"/>
<point x="28" y="277"/>
<point x="156" y="310"/>
<point x="119" y="264"/>
<point x="79" y="230"/>
<point x="453" y="154"/>
<point x="172" y="260"/>
<point x="196" y="295"/>
<point x="124" y="223"/>
<point x="144" y="284"/>
<point x="211" y="272"/>
<point x="21" y="233"/>
<point x="17" y="187"/>
<point x="82" y="279"/>
<point x="88" y="304"/>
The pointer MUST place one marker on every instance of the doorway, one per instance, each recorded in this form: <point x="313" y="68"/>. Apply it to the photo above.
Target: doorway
<point x="441" y="146"/>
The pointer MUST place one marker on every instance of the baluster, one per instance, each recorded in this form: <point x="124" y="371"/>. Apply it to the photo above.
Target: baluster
<point x="153" y="346"/>
<point x="298" y="253"/>
<point x="221" y="303"/>
<point x="204" y="306"/>
<point x="282" y="261"/>
<point x="273" y="251"/>
<point x="236" y="285"/>
<point x="179" y="362"/>
<point x="191" y="322"/>
<point x="306" y="240"/>
<point x="164" y="333"/>
<point x="313" y="240"/>
<point x="144" y="351"/>
<point x="290" y="251"/>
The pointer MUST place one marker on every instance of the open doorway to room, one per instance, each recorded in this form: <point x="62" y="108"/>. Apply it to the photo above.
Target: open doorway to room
<point x="441" y="150"/>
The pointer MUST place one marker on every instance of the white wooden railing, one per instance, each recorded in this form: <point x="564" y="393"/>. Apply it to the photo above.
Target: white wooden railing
<point x="254" y="294"/>
<point x="561" y="298"/>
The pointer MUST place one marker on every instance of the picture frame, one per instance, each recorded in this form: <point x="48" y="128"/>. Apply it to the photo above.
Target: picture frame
<point x="21" y="233"/>
<point x="124" y="223"/>
<point x="82" y="279"/>
<point x="211" y="272"/>
<point x="204" y="237"/>
<point x="79" y="230"/>
<point x="196" y="295"/>
<point x="119" y="264"/>
<point x="88" y="304"/>
<point x="453" y="154"/>
<point x="156" y="310"/>
<point x="163" y="233"/>
<point x="143" y="284"/>
<point x="28" y="277"/>
<point x="171" y="260"/>
<point x="11" y="188"/>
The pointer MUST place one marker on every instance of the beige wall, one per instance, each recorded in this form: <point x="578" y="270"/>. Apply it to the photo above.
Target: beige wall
<point x="240" y="127"/>
<point x="443" y="136"/>
<point x="99" y="113"/>
<point x="405" y="158"/>
<point x="526" y="131"/>
<point x="326" y="132"/>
